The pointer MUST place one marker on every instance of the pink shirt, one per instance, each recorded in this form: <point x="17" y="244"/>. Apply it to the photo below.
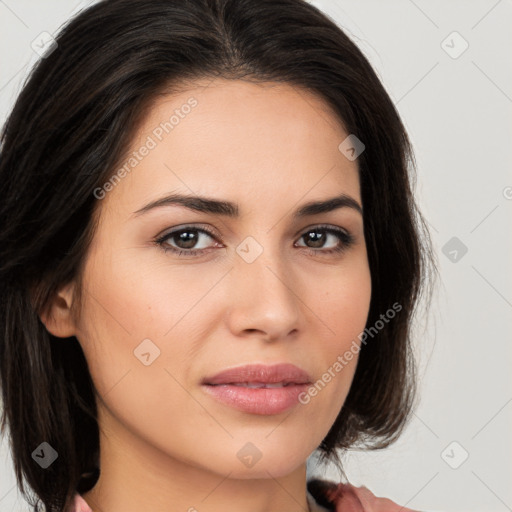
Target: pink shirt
<point x="347" y="497"/>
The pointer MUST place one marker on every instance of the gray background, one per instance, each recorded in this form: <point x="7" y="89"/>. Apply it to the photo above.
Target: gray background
<point x="457" y="108"/>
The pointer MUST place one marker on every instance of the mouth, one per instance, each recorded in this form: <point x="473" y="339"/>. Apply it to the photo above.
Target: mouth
<point x="258" y="389"/>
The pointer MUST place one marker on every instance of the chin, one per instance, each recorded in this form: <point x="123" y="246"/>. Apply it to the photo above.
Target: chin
<point x="266" y="463"/>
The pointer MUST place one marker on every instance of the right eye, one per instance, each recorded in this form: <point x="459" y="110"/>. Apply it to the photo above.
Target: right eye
<point x="185" y="237"/>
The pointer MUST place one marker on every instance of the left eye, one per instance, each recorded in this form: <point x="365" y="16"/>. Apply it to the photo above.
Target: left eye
<point x="186" y="239"/>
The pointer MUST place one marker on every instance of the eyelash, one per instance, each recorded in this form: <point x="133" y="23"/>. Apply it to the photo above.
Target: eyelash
<point x="346" y="239"/>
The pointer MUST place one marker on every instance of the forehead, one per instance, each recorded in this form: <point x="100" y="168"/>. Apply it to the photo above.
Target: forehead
<point x="237" y="140"/>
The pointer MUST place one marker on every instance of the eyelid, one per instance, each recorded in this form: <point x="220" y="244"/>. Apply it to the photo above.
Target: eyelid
<point x="200" y="227"/>
<point x="321" y="225"/>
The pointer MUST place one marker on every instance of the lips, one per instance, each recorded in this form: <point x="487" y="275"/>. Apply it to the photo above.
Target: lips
<point x="258" y="389"/>
<point x="260" y="376"/>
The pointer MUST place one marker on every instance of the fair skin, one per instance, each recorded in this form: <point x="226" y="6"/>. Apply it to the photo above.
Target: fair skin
<point x="164" y="443"/>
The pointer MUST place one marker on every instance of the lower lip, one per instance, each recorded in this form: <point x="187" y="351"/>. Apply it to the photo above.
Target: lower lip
<point x="257" y="400"/>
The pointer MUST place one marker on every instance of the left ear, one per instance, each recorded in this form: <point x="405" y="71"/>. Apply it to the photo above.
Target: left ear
<point x="57" y="318"/>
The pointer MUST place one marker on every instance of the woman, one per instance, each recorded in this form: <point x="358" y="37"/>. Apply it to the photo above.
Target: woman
<point x="211" y="257"/>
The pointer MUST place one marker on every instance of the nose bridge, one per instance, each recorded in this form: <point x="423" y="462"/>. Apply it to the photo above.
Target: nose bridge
<point x="264" y="297"/>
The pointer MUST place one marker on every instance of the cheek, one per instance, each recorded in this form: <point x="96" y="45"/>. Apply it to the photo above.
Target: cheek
<point x="137" y="371"/>
<point x="133" y="299"/>
<point x="345" y="304"/>
<point x="343" y="309"/>
<point x="137" y="312"/>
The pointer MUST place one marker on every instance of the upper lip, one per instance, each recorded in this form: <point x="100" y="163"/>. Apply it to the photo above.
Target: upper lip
<point x="267" y="374"/>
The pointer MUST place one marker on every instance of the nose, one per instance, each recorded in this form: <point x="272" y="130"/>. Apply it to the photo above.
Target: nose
<point x="263" y="296"/>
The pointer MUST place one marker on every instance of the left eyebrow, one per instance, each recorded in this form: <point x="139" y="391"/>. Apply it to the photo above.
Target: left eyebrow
<point x="229" y="209"/>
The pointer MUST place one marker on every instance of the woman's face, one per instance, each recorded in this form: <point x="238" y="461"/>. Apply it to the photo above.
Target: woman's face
<point x="261" y="288"/>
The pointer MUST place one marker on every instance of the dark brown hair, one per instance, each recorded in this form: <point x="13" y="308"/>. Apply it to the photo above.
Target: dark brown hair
<point x="70" y="125"/>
